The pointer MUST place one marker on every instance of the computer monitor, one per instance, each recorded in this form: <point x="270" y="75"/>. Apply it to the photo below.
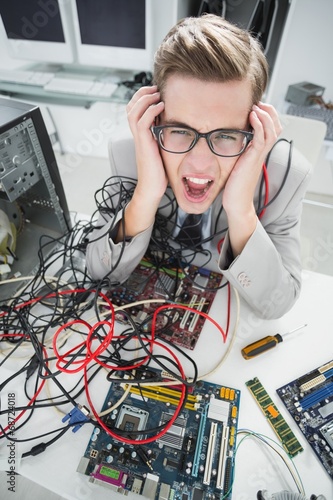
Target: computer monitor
<point x="123" y="34"/>
<point x="38" y="30"/>
<point x="114" y="34"/>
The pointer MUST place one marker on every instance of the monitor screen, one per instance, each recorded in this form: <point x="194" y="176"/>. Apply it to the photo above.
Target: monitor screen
<point x="37" y="30"/>
<point x="123" y="25"/>
<point x="114" y="34"/>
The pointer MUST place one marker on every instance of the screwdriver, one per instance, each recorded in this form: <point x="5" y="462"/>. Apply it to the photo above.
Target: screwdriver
<point x="265" y="344"/>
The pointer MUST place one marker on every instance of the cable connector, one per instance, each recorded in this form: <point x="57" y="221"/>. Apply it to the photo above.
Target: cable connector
<point x="144" y="457"/>
<point x="39" y="448"/>
<point x="33" y="365"/>
<point x="79" y="415"/>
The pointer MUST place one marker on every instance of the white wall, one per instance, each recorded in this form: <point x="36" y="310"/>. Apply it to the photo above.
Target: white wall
<point x="306" y="49"/>
<point x="305" y="54"/>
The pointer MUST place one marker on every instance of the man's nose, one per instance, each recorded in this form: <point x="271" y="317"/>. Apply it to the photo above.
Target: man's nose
<point x="201" y="148"/>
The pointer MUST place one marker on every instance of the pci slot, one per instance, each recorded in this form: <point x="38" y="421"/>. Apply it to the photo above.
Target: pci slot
<point x="196" y="317"/>
<point x="187" y="314"/>
<point x="179" y="290"/>
<point x="201" y="433"/>
<point x="210" y="453"/>
<point x="222" y="458"/>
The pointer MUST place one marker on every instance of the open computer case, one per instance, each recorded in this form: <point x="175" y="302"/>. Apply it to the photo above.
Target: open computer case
<point x="31" y="190"/>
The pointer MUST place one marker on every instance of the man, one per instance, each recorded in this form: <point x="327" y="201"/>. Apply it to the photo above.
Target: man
<point x="203" y="131"/>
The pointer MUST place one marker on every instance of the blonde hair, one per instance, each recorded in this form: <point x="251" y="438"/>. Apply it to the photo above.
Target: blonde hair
<point x="210" y="48"/>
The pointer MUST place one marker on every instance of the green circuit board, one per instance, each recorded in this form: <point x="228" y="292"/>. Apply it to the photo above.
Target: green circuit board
<point x="274" y="417"/>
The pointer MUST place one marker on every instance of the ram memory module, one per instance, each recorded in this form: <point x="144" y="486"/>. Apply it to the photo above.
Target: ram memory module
<point x="274" y="417"/>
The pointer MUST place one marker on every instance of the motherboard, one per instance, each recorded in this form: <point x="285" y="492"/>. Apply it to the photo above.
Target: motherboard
<point x="194" y="287"/>
<point x="309" y="400"/>
<point x="192" y="460"/>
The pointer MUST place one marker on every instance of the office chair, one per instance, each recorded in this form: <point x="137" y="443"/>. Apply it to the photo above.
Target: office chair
<point x="307" y="135"/>
<point x="122" y="155"/>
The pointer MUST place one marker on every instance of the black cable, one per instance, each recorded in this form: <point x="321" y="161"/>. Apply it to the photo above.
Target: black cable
<point x="16" y="346"/>
<point x="41" y="447"/>
<point x="22" y="312"/>
<point x="285" y="177"/>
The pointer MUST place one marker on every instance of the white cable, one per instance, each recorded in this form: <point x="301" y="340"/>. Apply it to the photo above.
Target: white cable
<point x="279" y="450"/>
<point x="232" y="340"/>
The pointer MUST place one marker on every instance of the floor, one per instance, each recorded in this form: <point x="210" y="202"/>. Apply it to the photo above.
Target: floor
<point x="83" y="176"/>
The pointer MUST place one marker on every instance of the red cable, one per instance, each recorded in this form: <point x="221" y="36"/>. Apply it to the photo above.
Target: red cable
<point x="168" y="425"/>
<point x="15" y="335"/>
<point x="55" y="294"/>
<point x="92" y="355"/>
<point x="152" y="341"/>
<point x="179" y="306"/>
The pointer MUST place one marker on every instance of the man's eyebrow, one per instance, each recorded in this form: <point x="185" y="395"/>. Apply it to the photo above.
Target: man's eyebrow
<point x="176" y="123"/>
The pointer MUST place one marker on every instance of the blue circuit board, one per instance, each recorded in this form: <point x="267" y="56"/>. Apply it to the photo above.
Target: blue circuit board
<point x="309" y="400"/>
<point x="193" y="460"/>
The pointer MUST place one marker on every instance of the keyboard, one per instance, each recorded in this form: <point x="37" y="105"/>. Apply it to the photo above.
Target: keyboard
<point x="36" y="78"/>
<point x="322" y="114"/>
<point x="52" y="83"/>
<point x="80" y="87"/>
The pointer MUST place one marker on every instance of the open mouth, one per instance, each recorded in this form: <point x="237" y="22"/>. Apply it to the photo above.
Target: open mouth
<point x="195" y="187"/>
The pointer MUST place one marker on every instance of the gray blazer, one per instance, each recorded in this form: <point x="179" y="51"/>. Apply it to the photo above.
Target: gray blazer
<point x="267" y="274"/>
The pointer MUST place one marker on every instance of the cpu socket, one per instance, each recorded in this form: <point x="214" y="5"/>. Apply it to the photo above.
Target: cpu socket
<point x="132" y="419"/>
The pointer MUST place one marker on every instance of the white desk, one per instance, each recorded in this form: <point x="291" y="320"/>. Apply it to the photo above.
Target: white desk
<point x="256" y="467"/>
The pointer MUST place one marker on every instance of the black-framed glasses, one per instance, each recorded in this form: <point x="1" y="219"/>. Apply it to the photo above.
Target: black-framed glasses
<point x="222" y="142"/>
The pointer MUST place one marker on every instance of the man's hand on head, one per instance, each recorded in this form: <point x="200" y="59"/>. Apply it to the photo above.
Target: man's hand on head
<point x="240" y="188"/>
<point x="142" y="111"/>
